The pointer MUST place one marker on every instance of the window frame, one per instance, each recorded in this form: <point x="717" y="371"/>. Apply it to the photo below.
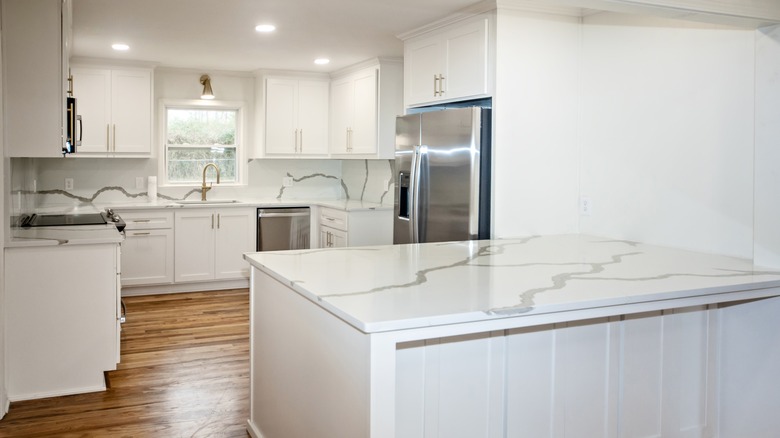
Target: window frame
<point x="241" y="144"/>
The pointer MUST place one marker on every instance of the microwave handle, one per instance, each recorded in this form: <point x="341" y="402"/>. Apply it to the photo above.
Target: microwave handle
<point x="81" y="128"/>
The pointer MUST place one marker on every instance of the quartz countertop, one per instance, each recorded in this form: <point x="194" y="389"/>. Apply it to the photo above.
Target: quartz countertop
<point x="68" y="235"/>
<point x="395" y="287"/>
<point x="341" y="204"/>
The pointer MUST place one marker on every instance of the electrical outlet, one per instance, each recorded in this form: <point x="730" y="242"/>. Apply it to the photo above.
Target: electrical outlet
<point x="68" y="183"/>
<point x="287" y="181"/>
<point x="385" y="183"/>
<point x="586" y="206"/>
<point x="139" y="182"/>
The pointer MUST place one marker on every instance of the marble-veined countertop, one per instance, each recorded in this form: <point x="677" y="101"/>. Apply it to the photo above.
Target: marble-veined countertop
<point x="87" y="234"/>
<point x="397" y="287"/>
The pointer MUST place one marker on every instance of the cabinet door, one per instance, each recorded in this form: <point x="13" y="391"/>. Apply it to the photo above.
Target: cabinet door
<point x="313" y="117"/>
<point x="466" y="57"/>
<point x="92" y="89"/>
<point x="423" y="60"/>
<point x="131" y="107"/>
<point x="364" y="119"/>
<point x="341" y="115"/>
<point x="234" y="237"/>
<point x="332" y="238"/>
<point x="33" y="78"/>
<point x="147" y="257"/>
<point x="194" y="245"/>
<point x="280" y="116"/>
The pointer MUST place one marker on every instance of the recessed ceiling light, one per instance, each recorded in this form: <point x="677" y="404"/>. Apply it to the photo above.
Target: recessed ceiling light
<point x="120" y="47"/>
<point x="265" y="28"/>
<point x="321" y="61"/>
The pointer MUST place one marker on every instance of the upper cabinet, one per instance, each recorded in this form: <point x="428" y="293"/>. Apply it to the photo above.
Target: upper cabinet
<point x="449" y="64"/>
<point x="296" y="117"/>
<point x="36" y="40"/>
<point x="365" y="100"/>
<point x="116" y="111"/>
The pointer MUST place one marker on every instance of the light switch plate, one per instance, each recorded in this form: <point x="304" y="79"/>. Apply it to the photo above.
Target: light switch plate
<point x="68" y="183"/>
<point x="287" y="181"/>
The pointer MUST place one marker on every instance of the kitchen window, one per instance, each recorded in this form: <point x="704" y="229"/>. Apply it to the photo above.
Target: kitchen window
<point x="196" y="133"/>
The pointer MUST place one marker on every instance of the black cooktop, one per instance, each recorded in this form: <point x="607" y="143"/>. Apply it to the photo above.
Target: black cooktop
<point x="57" y="220"/>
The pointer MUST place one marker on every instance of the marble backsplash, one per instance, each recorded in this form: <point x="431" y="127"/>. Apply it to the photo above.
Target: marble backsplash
<point x="36" y="182"/>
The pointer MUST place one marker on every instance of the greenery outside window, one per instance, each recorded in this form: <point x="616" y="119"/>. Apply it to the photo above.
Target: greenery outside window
<point x="195" y="133"/>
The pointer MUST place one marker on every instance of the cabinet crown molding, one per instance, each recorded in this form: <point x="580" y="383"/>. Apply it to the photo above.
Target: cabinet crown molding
<point x="373" y="62"/>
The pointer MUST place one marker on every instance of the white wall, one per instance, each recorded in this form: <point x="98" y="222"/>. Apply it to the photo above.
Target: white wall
<point x="4" y="173"/>
<point x="767" y="178"/>
<point x="667" y="132"/>
<point x="536" y="154"/>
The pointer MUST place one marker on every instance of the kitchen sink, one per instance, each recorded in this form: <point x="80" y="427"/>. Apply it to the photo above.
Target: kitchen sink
<point x="210" y="201"/>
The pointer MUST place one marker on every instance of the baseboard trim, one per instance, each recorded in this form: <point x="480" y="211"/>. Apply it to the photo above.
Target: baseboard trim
<point x="131" y="291"/>
<point x="252" y="430"/>
<point x="70" y="391"/>
<point x="4" y="406"/>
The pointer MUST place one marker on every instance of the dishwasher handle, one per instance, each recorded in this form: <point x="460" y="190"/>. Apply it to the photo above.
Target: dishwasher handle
<point x="263" y="214"/>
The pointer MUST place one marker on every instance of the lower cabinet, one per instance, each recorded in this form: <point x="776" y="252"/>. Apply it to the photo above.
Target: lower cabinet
<point x="147" y="252"/>
<point x="210" y="243"/>
<point x="340" y="228"/>
<point x="63" y="332"/>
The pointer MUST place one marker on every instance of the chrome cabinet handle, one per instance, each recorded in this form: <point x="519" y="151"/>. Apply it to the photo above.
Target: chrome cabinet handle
<point x="435" y="85"/>
<point x="108" y="137"/>
<point x="140" y="234"/>
<point x="141" y="220"/>
<point x="219" y="217"/>
<point x="301" y="148"/>
<point x="441" y="85"/>
<point x="114" y="137"/>
<point x="212" y="221"/>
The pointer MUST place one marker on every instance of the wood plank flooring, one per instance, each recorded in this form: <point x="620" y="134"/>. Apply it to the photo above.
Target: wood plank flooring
<point x="184" y="373"/>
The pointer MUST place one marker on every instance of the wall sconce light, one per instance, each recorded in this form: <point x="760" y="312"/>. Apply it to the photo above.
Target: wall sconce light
<point x="208" y="94"/>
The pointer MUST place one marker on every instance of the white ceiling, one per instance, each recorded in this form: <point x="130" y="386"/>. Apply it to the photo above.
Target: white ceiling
<point x="220" y="35"/>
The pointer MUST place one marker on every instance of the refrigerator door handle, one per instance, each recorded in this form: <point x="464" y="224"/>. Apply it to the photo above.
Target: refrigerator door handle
<point x="415" y="194"/>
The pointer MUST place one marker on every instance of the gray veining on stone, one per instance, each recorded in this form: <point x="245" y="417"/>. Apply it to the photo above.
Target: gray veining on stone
<point x="365" y="181"/>
<point x="421" y="276"/>
<point x="313" y="175"/>
<point x="107" y="189"/>
<point x="559" y="282"/>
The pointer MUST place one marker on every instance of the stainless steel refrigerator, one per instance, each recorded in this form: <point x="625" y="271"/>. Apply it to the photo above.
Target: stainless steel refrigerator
<point x="442" y="176"/>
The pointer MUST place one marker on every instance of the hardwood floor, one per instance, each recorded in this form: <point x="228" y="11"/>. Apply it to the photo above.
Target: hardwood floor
<point x="184" y="373"/>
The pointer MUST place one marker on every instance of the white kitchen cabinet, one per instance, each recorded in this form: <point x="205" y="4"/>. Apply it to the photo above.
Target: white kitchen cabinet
<point x="147" y="252"/>
<point x="364" y="103"/>
<point x="210" y="243"/>
<point x="340" y="228"/>
<point x="448" y="65"/>
<point x="35" y="54"/>
<point x="63" y="332"/>
<point x="296" y="117"/>
<point x="116" y="111"/>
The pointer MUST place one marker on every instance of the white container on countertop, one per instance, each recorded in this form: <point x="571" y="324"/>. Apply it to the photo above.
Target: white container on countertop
<point x="151" y="189"/>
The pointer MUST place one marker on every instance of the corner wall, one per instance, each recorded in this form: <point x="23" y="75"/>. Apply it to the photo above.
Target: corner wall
<point x="536" y="151"/>
<point x="4" y="170"/>
<point x="667" y="132"/>
<point x="767" y="176"/>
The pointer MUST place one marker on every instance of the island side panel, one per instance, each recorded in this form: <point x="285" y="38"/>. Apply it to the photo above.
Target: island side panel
<point x="645" y="374"/>
<point x="310" y="370"/>
<point x="750" y="369"/>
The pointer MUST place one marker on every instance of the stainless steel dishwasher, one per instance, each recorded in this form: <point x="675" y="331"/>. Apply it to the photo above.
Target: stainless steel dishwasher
<point x="283" y="228"/>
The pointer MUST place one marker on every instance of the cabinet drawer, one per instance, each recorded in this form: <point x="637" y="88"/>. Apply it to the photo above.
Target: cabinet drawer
<point x="334" y="218"/>
<point x="149" y="219"/>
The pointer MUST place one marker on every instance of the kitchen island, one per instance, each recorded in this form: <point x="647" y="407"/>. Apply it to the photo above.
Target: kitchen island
<point x="540" y="336"/>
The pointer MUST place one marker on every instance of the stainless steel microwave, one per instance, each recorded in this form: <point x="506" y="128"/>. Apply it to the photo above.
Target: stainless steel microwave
<point x="72" y="140"/>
